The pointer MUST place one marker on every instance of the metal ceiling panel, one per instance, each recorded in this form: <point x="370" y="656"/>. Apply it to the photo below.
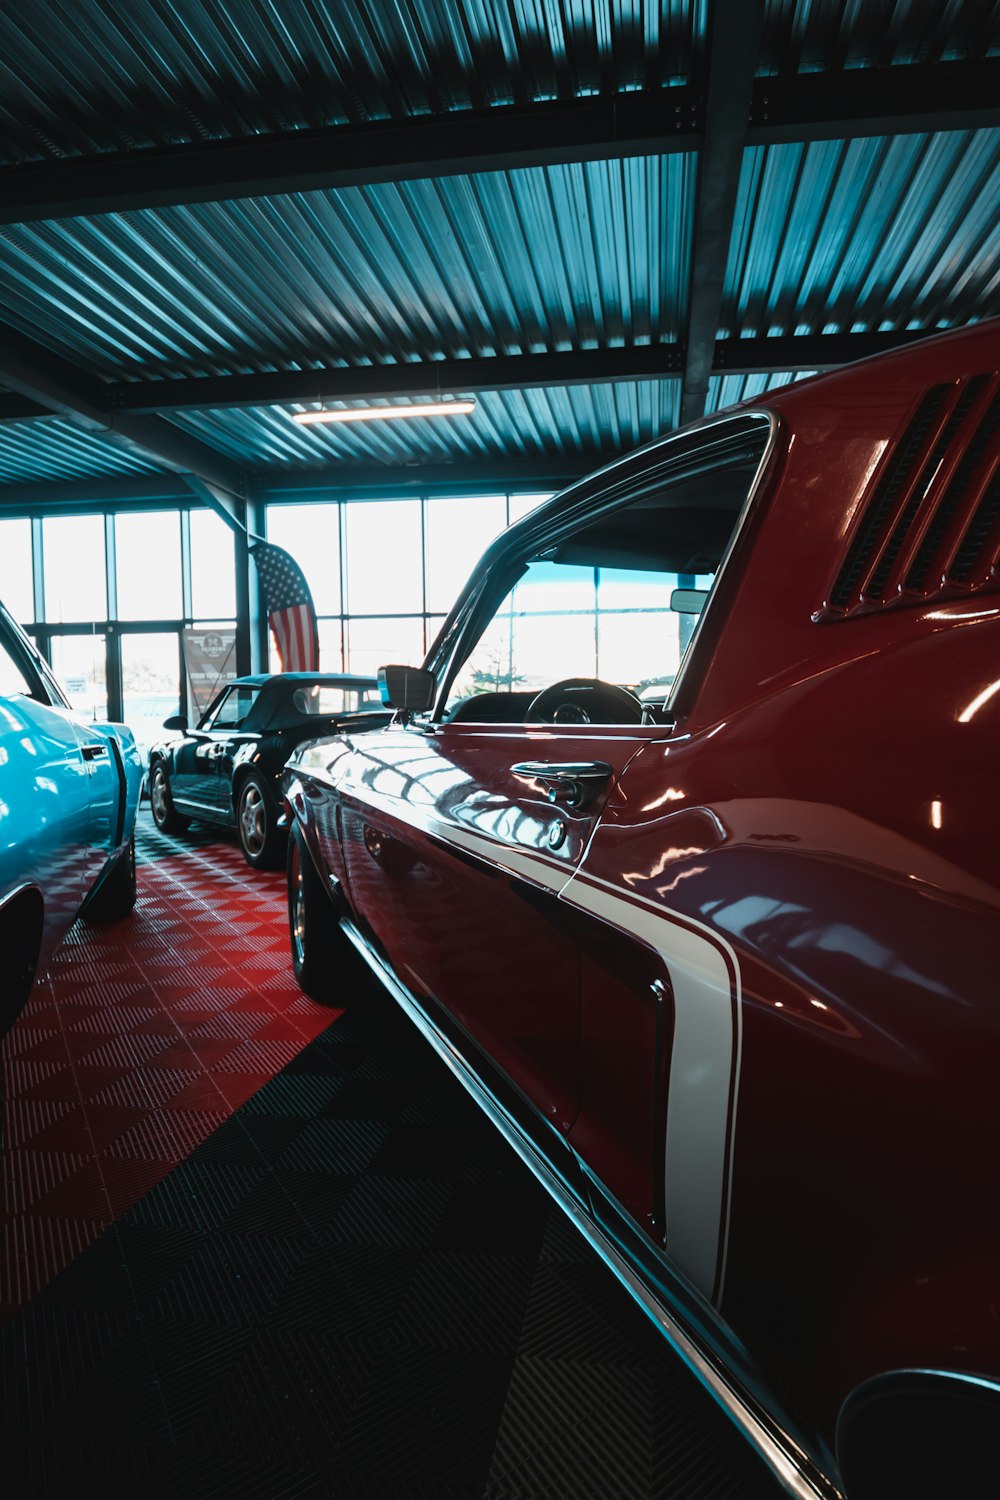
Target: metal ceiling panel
<point x="538" y="259"/>
<point x="590" y="421"/>
<point x="727" y="390"/>
<point x="825" y="35"/>
<point x="865" y="235"/>
<point x="101" y="76"/>
<point x="52" y="449"/>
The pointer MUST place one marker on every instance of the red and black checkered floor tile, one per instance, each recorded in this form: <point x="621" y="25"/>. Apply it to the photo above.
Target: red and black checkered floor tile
<point x="144" y="1036"/>
<point x="257" y="1249"/>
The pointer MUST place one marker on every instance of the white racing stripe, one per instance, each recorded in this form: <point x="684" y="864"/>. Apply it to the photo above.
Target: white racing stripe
<point x="706" y="1051"/>
<point x="704" y="1067"/>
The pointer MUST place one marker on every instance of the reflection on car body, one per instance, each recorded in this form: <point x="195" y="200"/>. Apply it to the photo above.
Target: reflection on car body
<point x="727" y="978"/>
<point x="228" y="769"/>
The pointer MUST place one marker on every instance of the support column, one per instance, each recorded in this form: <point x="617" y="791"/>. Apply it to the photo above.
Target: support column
<point x="247" y="657"/>
<point x="260" y="635"/>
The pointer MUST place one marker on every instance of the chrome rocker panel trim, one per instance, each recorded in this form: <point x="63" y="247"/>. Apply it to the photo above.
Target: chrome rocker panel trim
<point x="785" y="1463"/>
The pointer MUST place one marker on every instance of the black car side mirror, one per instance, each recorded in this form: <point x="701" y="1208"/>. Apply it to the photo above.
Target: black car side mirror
<point x="409" y="689"/>
<point x="177" y="721"/>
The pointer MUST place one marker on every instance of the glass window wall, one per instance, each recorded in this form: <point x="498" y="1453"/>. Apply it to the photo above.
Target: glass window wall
<point x="404" y="561"/>
<point x="213" y="567"/>
<point x="457" y="533"/>
<point x="311" y="533"/>
<point x="148" y="565"/>
<point x="150" y="684"/>
<point x="79" y="663"/>
<point x="73" y="563"/>
<point x="16" y="590"/>
<point x="384" y="557"/>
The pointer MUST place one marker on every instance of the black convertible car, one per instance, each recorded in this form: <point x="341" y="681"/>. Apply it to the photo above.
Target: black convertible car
<point x="228" y="769"/>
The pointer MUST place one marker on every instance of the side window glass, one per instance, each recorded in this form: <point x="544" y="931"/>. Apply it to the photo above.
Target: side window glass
<point x="564" y="621"/>
<point x="233" y="710"/>
<point x="616" y="602"/>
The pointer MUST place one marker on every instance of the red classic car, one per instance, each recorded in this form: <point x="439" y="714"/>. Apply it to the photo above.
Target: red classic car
<point x="724" y="968"/>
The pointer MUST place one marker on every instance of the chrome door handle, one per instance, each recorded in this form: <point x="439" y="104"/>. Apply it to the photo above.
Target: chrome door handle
<point x="571" y="782"/>
<point x="93" y="752"/>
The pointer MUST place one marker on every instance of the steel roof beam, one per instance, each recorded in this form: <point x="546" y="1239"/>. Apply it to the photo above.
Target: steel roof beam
<point x="489" y="475"/>
<point x="382" y="382"/>
<point x="14" y="408"/>
<point x="734" y="43"/>
<point x="341" y="480"/>
<point x="803" y="107"/>
<point x="787" y="354"/>
<point x="56" y="496"/>
<point x="504" y="373"/>
<point x="781" y="354"/>
<point x="905" y="100"/>
<point x="39" y="376"/>
<point x="355" y="156"/>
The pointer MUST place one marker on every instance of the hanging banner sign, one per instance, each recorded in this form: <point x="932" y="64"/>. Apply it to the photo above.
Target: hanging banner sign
<point x="210" y="663"/>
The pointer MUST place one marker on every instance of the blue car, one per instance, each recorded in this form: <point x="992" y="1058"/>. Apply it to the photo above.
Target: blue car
<point x="68" y="797"/>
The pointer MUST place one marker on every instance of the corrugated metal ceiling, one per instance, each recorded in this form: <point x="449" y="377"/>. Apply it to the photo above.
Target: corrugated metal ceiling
<point x="157" y="74"/>
<point x="868" y="234"/>
<point x="52" y="450"/>
<point x="581" y="421"/>
<point x="812" y="35"/>
<point x="876" y="233"/>
<point x="727" y="390"/>
<point x="449" y="268"/>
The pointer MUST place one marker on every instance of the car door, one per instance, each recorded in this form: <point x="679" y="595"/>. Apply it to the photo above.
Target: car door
<point x="196" y="781"/>
<point x="44" y="789"/>
<point x="238" y="724"/>
<point x="455" y="857"/>
<point x="462" y="831"/>
<point x="106" y="793"/>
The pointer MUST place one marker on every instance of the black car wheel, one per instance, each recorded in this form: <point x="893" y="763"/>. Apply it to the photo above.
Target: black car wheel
<point x="261" y="839"/>
<point x="165" y="815"/>
<point x="116" y="897"/>
<point x="325" y="961"/>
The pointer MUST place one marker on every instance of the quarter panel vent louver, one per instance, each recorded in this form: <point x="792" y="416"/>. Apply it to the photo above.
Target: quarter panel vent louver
<point x="930" y="524"/>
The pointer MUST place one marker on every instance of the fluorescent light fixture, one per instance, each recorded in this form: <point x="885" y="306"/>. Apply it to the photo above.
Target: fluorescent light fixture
<point x="380" y="413"/>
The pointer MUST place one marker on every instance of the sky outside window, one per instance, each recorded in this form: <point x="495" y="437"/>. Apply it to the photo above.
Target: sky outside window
<point x="75" y="583"/>
<point x="15" y="569"/>
<point x="213" y="567"/>
<point x="148" y="559"/>
<point x="311" y="534"/>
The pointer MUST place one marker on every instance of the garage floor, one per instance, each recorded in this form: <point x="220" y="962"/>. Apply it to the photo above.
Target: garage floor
<point x="256" y="1249"/>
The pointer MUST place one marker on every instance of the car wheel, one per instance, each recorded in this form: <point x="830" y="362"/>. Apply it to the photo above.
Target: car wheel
<point x="116" y="897"/>
<point x="165" y="815"/>
<point x="326" y="964"/>
<point x="257" y="825"/>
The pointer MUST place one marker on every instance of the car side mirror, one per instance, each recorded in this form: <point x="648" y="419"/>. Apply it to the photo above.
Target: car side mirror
<point x="176" y="721"/>
<point x="409" y="689"/>
<point x="688" y="601"/>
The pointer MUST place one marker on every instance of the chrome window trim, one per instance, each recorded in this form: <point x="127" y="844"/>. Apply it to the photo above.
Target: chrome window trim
<point x="738" y="529"/>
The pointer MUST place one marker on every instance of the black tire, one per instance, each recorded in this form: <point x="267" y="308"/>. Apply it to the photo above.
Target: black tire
<point x="165" y="815"/>
<point x="262" y="841"/>
<point x="116" y="897"/>
<point x="323" y="958"/>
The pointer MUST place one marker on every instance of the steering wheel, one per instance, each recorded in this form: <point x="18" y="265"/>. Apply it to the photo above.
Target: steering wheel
<point x="584" y="700"/>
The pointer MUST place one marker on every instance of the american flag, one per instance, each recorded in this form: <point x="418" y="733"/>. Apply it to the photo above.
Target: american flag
<point x="289" y="605"/>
